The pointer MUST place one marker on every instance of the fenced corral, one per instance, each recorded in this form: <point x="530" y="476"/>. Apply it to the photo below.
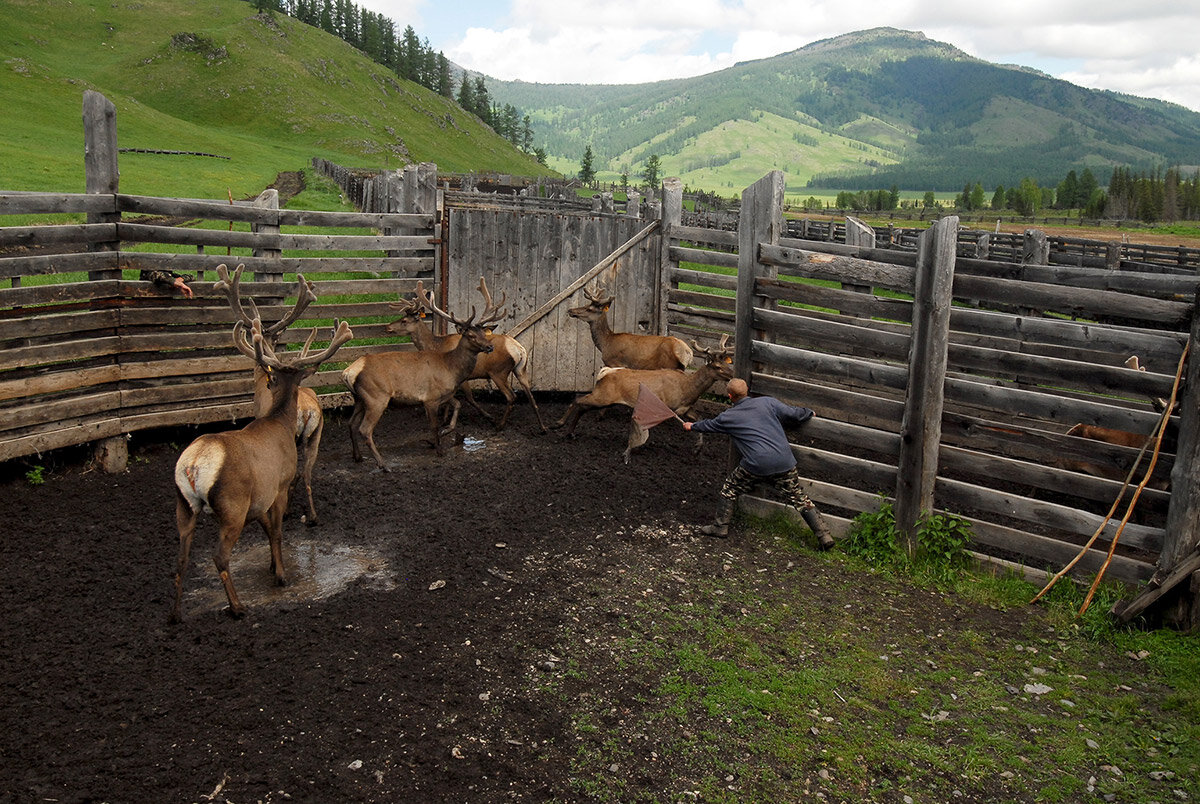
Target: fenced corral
<point x="944" y="377"/>
<point x="949" y="382"/>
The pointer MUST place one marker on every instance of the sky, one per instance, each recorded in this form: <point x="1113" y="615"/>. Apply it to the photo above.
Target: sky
<point x="1148" y="48"/>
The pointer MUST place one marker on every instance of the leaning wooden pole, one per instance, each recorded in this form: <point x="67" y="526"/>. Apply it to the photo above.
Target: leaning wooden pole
<point x="921" y="426"/>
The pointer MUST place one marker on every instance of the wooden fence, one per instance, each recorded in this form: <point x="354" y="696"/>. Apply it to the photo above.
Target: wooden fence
<point x="942" y="380"/>
<point x="949" y="382"/>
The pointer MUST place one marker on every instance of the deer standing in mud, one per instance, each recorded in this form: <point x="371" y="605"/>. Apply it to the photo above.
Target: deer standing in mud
<point x="414" y="378"/>
<point x="507" y="358"/>
<point x="310" y="421"/>
<point x="629" y="349"/>
<point x="245" y="474"/>
<point x="679" y="390"/>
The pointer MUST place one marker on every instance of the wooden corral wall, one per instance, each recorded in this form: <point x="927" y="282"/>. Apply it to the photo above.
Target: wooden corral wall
<point x="1028" y="351"/>
<point x="89" y="353"/>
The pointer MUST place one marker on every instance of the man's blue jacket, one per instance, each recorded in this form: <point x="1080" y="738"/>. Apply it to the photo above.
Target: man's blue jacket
<point x="756" y="426"/>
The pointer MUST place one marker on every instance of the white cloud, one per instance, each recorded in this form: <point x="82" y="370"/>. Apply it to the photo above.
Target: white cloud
<point x="1145" y="48"/>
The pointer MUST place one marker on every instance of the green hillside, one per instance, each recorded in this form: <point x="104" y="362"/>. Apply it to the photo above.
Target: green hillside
<point x="265" y="91"/>
<point x="865" y="110"/>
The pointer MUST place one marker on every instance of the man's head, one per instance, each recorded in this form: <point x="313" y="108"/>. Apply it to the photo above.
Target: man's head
<point x="737" y="389"/>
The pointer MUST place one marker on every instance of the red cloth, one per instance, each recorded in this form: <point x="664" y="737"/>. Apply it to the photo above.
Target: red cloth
<point x="650" y="410"/>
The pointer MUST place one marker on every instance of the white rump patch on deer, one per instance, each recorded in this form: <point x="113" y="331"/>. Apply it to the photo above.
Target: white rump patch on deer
<point x="197" y="470"/>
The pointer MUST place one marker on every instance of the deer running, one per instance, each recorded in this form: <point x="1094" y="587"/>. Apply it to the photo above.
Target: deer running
<point x="628" y="349"/>
<point x="508" y="355"/>
<point x="679" y="390"/>
<point x="310" y="421"/>
<point x="414" y="378"/>
<point x="245" y="474"/>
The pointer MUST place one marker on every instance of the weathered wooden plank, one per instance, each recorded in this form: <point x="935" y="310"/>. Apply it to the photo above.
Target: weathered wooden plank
<point x="719" y="259"/>
<point x="14" y="202"/>
<point x="216" y="238"/>
<point x="819" y="265"/>
<point x="59" y="235"/>
<point x="46" y="264"/>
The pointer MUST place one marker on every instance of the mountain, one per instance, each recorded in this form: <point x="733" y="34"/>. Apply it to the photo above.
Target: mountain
<point x="264" y="91"/>
<point x="866" y="110"/>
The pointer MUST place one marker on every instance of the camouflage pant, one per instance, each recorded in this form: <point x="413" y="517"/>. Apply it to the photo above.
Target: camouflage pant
<point x="787" y="483"/>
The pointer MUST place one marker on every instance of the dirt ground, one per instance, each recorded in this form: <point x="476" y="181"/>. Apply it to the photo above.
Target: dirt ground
<point x="408" y="659"/>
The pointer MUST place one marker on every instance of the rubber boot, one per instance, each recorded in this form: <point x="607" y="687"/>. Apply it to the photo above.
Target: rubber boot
<point x="720" y="526"/>
<point x="812" y="518"/>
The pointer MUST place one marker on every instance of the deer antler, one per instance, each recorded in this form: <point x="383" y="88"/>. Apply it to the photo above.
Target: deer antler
<point x="721" y="351"/>
<point x="427" y="299"/>
<point x="305" y="295"/>
<point x="260" y="352"/>
<point x="492" y="312"/>
<point x="408" y="307"/>
<point x="341" y="334"/>
<point x="598" y="298"/>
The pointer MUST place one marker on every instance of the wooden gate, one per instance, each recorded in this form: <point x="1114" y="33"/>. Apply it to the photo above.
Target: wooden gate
<point x="531" y="257"/>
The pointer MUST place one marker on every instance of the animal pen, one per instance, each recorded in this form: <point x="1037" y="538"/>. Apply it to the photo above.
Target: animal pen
<point x="944" y="377"/>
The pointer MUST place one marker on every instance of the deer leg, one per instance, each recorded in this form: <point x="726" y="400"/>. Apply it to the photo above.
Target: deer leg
<point x="366" y="430"/>
<point x="571" y="417"/>
<point x="272" y="523"/>
<point x="185" y="518"/>
<point x="470" y="395"/>
<point x="638" y="435"/>
<point x="523" y="381"/>
<point x="228" y="538"/>
<point x="311" y="448"/>
<point x="509" y="397"/>
<point x="355" y="422"/>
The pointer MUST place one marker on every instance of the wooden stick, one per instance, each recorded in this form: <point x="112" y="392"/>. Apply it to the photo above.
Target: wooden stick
<point x="1162" y="429"/>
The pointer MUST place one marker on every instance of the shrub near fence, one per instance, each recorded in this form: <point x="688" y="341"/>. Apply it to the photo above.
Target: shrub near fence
<point x="1027" y="354"/>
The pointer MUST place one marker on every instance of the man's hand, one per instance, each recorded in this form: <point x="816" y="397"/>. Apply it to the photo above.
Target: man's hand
<point x="183" y="288"/>
<point x="687" y="425"/>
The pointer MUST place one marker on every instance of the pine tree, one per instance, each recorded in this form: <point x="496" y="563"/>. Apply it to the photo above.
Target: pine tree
<point x="586" y="173"/>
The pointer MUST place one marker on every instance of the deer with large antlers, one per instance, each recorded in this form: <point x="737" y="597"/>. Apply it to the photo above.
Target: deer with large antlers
<point x="629" y="349"/>
<point x="679" y="390"/>
<point x="310" y="421"/>
<point x="415" y="378"/>
<point x="245" y="474"/>
<point x="507" y="358"/>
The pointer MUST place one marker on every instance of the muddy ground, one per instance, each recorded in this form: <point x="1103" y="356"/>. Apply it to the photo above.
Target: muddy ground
<point x="439" y="619"/>
<point x="418" y="592"/>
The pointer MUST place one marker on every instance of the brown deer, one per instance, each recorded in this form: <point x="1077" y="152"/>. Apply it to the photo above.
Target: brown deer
<point x="310" y="421"/>
<point x="628" y="349"/>
<point x="1109" y="468"/>
<point x="414" y="378"/>
<point x="508" y="355"/>
<point x="246" y="474"/>
<point x="679" y="390"/>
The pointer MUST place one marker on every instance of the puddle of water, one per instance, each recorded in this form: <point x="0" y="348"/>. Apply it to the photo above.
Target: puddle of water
<point x="471" y="444"/>
<point x="315" y="570"/>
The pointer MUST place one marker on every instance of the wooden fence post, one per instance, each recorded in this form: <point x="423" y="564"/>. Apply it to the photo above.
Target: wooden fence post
<point x="760" y="221"/>
<point x="268" y="199"/>
<point x="1183" y="515"/>
<point x="101" y="174"/>
<point x="921" y="425"/>
<point x="672" y="216"/>
<point x="863" y="236"/>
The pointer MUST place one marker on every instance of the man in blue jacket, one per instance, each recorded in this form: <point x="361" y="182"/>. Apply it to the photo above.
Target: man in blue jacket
<point x="756" y="427"/>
